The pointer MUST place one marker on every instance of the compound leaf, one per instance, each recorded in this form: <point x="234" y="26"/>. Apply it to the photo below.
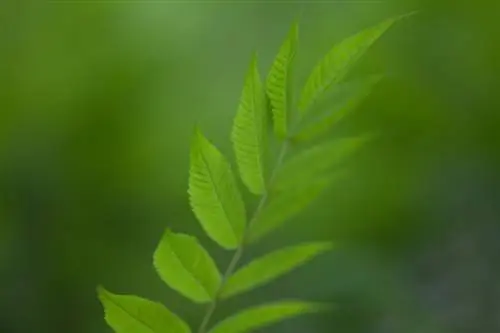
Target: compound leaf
<point x="214" y="195"/>
<point x="132" y="314"/>
<point x="338" y="61"/>
<point x="264" y="315"/>
<point x="271" y="266"/>
<point x="186" y="267"/>
<point x="249" y="131"/>
<point x="278" y="84"/>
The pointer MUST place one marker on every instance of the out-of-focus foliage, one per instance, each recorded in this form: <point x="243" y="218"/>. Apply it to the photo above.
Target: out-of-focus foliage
<point x="98" y="104"/>
<point x="338" y="62"/>
<point x="261" y="316"/>
<point x="271" y="266"/>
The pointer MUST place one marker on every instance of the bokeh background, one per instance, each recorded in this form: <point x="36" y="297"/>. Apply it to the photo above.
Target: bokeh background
<point x="98" y="101"/>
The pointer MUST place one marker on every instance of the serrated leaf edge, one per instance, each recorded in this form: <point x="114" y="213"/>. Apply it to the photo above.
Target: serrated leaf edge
<point x="103" y="295"/>
<point x="198" y="139"/>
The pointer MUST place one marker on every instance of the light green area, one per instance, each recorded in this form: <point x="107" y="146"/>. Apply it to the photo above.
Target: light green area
<point x="214" y="194"/>
<point x="249" y="133"/>
<point x="132" y="314"/>
<point x="184" y="265"/>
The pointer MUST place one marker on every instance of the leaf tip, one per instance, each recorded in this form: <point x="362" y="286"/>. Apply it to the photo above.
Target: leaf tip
<point x="400" y="17"/>
<point x="323" y="307"/>
<point x="195" y="134"/>
<point x="254" y="60"/>
<point x="376" y="78"/>
<point x="367" y="137"/>
<point x="197" y="131"/>
<point x="167" y="232"/>
<point x="100" y="289"/>
<point x="326" y="246"/>
<point x="102" y="293"/>
<point x="294" y="29"/>
<point x="409" y="14"/>
<point x="198" y="139"/>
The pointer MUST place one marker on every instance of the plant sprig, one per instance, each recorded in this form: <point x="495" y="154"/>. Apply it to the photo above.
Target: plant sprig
<point x="284" y="191"/>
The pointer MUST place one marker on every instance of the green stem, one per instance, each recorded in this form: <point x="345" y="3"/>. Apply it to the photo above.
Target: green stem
<point x="239" y="251"/>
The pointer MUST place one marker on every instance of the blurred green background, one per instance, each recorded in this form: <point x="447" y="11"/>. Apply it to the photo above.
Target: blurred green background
<point x="98" y="102"/>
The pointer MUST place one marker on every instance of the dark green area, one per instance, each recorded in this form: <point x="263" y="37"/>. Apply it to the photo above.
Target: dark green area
<point x="98" y="103"/>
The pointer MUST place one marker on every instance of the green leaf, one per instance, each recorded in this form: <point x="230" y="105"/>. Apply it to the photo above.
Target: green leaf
<point x="285" y="204"/>
<point x="132" y="314"/>
<point x="317" y="160"/>
<point x="249" y="131"/>
<point x="264" y="315"/>
<point x="278" y="84"/>
<point x="345" y="99"/>
<point x="271" y="266"/>
<point x="214" y="195"/>
<point x="339" y="60"/>
<point x="186" y="267"/>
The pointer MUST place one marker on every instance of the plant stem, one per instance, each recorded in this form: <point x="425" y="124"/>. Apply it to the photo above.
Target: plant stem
<point x="239" y="251"/>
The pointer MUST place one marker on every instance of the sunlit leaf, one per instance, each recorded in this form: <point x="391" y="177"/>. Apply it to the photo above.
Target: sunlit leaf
<point x="214" y="194"/>
<point x="338" y="61"/>
<point x="278" y="84"/>
<point x="261" y="316"/>
<point x="345" y="99"/>
<point x="186" y="266"/>
<point x="284" y="204"/>
<point x="271" y="266"/>
<point x="249" y="131"/>
<point x="132" y="314"/>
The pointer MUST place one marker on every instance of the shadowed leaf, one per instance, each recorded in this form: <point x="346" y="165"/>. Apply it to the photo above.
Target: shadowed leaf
<point x="337" y="63"/>
<point x="271" y="266"/>
<point x="345" y="99"/>
<point x="264" y="315"/>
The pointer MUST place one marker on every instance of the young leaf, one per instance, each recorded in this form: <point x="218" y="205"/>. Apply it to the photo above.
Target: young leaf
<point x="317" y="160"/>
<point x="278" y="84"/>
<point x="339" y="60"/>
<point x="214" y="195"/>
<point x="285" y="204"/>
<point x="249" y="131"/>
<point x="186" y="267"/>
<point x="347" y="97"/>
<point x="264" y="315"/>
<point x="132" y="314"/>
<point x="271" y="266"/>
